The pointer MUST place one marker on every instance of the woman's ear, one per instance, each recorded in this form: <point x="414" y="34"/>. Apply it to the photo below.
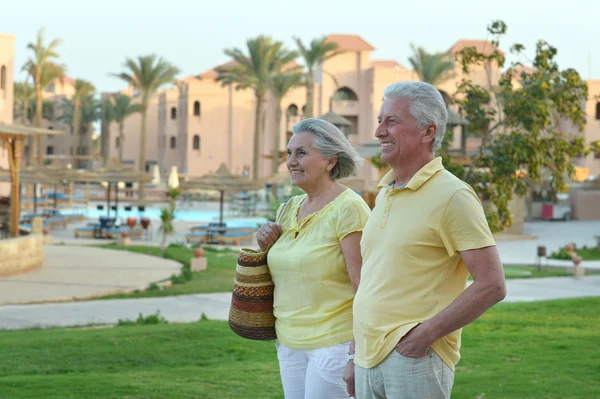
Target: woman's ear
<point x="331" y="162"/>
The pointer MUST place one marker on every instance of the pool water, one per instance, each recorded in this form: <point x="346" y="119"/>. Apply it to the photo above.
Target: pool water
<point x="186" y="215"/>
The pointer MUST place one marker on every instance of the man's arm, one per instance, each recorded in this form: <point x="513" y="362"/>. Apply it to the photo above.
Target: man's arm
<point x="488" y="288"/>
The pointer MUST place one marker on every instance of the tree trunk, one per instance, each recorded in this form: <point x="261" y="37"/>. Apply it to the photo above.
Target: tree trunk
<point x="257" y="133"/>
<point x="38" y="119"/>
<point x="142" y="159"/>
<point x="121" y="143"/>
<point x="163" y="242"/>
<point x="310" y="94"/>
<point x="76" y="128"/>
<point x="105" y="141"/>
<point x="276" y="138"/>
<point x="230" y="129"/>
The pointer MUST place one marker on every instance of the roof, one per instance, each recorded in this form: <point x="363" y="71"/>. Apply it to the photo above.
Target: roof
<point x="335" y="119"/>
<point x="386" y="63"/>
<point x="482" y="46"/>
<point x="212" y="73"/>
<point x="350" y="42"/>
<point x="20" y="130"/>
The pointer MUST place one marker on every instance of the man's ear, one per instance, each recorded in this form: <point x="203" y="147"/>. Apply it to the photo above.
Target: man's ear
<point x="429" y="136"/>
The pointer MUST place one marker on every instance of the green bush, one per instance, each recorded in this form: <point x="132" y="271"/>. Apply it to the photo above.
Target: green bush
<point x="155" y="318"/>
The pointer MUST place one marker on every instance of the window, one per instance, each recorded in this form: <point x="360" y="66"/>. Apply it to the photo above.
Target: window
<point x="50" y="150"/>
<point x="3" y="80"/>
<point x="117" y="142"/>
<point x="345" y="94"/>
<point x="197" y="108"/>
<point x="173" y="113"/>
<point x="50" y="88"/>
<point x="292" y="110"/>
<point x="196" y="143"/>
<point x="173" y="142"/>
<point x="598" y="110"/>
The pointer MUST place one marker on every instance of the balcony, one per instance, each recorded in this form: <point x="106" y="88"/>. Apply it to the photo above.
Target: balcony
<point x="345" y="107"/>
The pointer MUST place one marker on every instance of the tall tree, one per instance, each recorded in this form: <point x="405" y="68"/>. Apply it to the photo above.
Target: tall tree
<point x="83" y="89"/>
<point x="24" y="96"/>
<point x="265" y="59"/>
<point x="518" y="122"/>
<point x="123" y="107"/>
<point x="433" y="68"/>
<point x="319" y="51"/>
<point x="89" y="113"/>
<point x="43" y="69"/>
<point x="107" y="117"/>
<point x="147" y="75"/>
<point x="280" y="86"/>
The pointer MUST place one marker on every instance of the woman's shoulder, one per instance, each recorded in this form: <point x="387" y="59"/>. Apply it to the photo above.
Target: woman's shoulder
<point x="349" y="198"/>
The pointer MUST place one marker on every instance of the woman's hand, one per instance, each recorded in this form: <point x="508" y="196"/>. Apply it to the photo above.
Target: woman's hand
<point x="268" y="234"/>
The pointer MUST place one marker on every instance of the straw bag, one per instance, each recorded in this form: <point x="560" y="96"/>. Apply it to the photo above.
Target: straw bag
<point x="251" y="312"/>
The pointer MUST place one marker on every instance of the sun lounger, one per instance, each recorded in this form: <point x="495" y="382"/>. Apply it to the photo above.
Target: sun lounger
<point x="235" y="238"/>
<point x="115" y="232"/>
<point x="87" y="231"/>
<point x="200" y="237"/>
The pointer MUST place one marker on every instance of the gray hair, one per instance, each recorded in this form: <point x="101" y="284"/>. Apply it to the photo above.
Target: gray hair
<point x="427" y="106"/>
<point x="331" y="143"/>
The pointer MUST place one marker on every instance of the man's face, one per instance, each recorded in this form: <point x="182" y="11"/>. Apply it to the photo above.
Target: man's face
<point x="398" y="133"/>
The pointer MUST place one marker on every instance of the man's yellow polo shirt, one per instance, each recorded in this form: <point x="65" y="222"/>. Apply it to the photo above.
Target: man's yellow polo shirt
<point x="411" y="266"/>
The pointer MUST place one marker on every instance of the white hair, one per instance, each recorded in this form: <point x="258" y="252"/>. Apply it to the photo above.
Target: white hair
<point x="427" y="106"/>
<point x="331" y="143"/>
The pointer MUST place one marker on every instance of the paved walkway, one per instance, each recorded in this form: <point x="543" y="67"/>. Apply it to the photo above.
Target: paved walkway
<point x="189" y="308"/>
<point x="71" y="272"/>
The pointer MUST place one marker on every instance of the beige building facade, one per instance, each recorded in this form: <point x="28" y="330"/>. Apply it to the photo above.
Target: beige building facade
<point x="7" y="71"/>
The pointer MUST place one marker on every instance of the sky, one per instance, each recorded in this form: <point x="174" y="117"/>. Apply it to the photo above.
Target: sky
<point x="192" y="34"/>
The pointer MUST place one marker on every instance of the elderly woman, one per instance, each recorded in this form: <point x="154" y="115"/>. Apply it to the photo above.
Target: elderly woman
<point x="315" y="263"/>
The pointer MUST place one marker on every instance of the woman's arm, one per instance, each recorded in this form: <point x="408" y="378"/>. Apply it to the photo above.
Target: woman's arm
<point x="351" y="250"/>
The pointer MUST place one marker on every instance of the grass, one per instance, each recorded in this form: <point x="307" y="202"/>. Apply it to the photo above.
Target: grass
<point x="586" y="253"/>
<point x="539" y="350"/>
<point x="217" y="278"/>
<point x="221" y="269"/>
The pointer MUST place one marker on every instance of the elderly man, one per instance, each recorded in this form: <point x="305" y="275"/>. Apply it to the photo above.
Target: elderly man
<point x="426" y="234"/>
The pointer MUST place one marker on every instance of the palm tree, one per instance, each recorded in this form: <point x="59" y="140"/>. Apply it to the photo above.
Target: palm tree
<point x="146" y="76"/>
<point x="253" y="71"/>
<point x="44" y="71"/>
<point x="24" y="95"/>
<point x="122" y="108"/>
<point x="319" y="51"/>
<point x="280" y="85"/>
<point x="89" y="112"/>
<point x="433" y="68"/>
<point x="107" y="116"/>
<point x="83" y="89"/>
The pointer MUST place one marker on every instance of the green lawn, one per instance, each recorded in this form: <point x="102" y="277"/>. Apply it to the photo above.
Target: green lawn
<point x="217" y="278"/>
<point x="541" y="350"/>
<point x="586" y="253"/>
<point x="221" y="269"/>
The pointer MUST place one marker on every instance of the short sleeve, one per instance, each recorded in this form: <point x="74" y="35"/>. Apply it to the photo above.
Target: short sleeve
<point x="463" y="225"/>
<point x="351" y="217"/>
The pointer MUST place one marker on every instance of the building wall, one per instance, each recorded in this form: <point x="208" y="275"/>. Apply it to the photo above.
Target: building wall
<point x="7" y="54"/>
<point x="132" y="131"/>
<point x="592" y="129"/>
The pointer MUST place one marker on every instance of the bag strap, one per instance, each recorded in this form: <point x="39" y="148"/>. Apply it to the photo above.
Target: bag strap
<point x="285" y="205"/>
<point x="278" y="218"/>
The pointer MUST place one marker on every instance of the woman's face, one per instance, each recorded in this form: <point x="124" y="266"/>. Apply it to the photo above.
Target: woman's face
<point x="306" y="164"/>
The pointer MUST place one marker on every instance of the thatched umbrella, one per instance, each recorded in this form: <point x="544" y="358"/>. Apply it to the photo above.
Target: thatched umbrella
<point x="12" y="138"/>
<point x="32" y="175"/>
<point x="223" y="181"/>
<point x="113" y="173"/>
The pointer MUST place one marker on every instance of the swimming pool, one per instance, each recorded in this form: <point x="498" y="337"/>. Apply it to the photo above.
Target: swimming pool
<point x="186" y="215"/>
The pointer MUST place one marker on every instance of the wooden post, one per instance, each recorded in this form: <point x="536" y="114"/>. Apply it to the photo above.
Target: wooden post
<point x="15" y="151"/>
<point x="70" y="194"/>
